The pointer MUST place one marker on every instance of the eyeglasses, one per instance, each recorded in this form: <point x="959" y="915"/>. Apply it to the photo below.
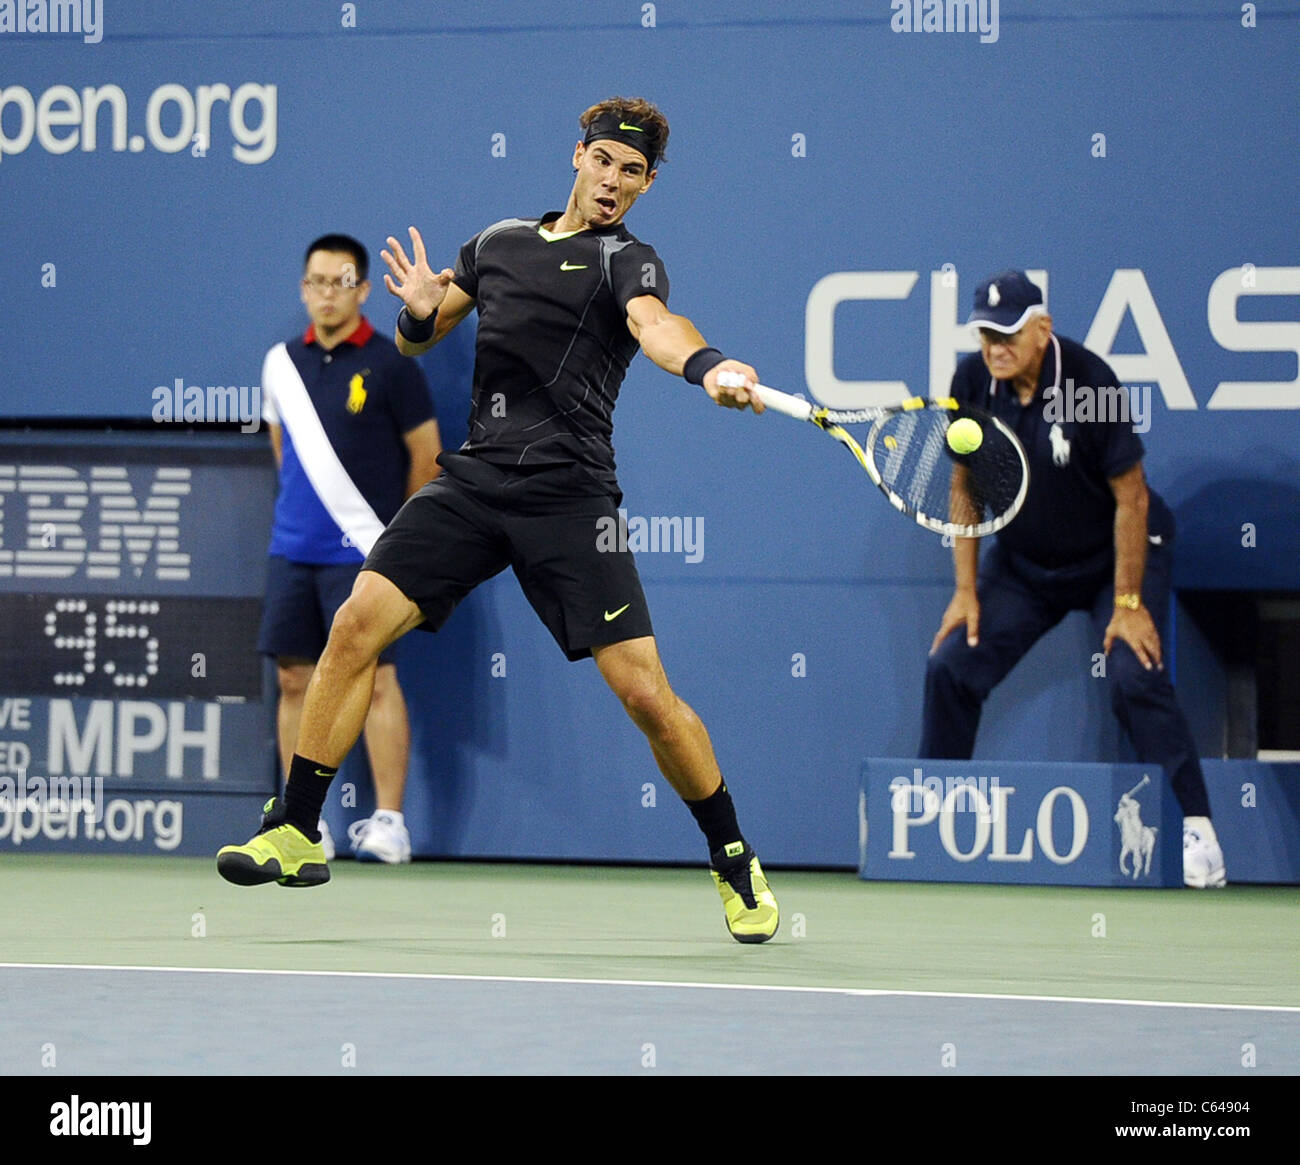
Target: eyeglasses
<point x="319" y="284"/>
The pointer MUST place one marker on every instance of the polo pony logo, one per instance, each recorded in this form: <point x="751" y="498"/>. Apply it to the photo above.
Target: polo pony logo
<point x="357" y="392"/>
<point x="1060" y="446"/>
<point x="1137" y="841"/>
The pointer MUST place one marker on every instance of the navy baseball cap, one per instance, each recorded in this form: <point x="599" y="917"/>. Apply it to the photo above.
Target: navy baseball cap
<point x="1006" y="301"/>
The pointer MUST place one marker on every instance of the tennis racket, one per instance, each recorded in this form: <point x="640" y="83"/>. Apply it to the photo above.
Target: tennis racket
<point x="906" y="452"/>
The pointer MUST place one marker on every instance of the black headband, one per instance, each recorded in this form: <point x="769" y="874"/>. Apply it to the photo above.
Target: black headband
<point x="615" y="128"/>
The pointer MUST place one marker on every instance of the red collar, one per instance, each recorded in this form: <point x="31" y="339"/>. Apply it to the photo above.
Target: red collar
<point x="360" y="334"/>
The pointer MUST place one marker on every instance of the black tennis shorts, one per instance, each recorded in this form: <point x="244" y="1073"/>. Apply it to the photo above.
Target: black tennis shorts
<point x="562" y="539"/>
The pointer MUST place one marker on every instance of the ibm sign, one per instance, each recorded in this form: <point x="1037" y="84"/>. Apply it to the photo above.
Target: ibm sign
<point x="88" y="522"/>
<point x="133" y="713"/>
<point x="1001" y="821"/>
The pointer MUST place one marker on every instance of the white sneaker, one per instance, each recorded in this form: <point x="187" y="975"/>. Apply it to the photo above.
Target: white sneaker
<point x="326" y="839"/>
<point x="1202" y="860"/>
<point x="380" y="838"/>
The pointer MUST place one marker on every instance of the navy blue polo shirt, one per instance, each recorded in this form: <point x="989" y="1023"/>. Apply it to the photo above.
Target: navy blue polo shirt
<point x="1075" y="442"/>
<point x="367" y="395"/>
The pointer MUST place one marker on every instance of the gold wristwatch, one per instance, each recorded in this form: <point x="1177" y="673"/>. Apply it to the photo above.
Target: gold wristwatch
<point x="1130" y="602"/>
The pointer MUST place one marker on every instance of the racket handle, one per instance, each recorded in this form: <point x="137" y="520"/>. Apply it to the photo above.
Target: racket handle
<point x="783" y="402"/>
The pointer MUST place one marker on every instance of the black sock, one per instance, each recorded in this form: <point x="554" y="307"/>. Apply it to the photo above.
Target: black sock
<point x="304" y="794"/>
<point x="716" y="816"/>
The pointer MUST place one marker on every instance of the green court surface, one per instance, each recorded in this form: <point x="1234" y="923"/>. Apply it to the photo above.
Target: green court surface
<point x="1235" y="946"/>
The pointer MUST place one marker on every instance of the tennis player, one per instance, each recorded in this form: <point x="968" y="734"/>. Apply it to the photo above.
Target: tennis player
<point x="564" y="301"/>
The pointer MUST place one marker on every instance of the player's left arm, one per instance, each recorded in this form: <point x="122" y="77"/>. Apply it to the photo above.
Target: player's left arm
<point x="1135" y="627"/>
<point x="423" y="443"/>
<point x="670" y="340"/>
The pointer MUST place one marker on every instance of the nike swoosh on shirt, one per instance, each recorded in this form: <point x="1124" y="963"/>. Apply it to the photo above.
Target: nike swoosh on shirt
<point x="567" y="266"/>
<point x="609" y="618"/>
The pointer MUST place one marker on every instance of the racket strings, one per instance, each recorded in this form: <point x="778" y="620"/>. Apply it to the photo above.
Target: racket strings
<point x="994" y="474"/>
<point x="938" y="484"/>
<point x="913" y="466"/>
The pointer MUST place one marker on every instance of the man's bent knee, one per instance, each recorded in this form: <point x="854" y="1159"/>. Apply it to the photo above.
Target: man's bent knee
<point x="957" y="667"/>
<point x="374" y="615"/>
<point x="355" y="632"/>
<point x="636" y="676"/>
<point x="1128" y="678"/>
<point x="386" y="685"/>
<point x="953" y="660"/>
<point x="647" y="702"/>
<point x="293" y="676"/>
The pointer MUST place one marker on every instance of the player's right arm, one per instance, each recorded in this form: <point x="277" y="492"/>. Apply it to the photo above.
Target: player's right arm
<point x="277" y="443"/>
<point x="670" y="340"/>
<point x="423" y="291"/>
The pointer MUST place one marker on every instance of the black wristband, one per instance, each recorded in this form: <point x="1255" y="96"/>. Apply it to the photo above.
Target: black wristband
<point x="417" y="331"/>
<point x="698" y="364"/>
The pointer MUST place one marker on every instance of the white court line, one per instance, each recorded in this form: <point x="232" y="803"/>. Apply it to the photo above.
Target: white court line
<point x="563" y="981"/>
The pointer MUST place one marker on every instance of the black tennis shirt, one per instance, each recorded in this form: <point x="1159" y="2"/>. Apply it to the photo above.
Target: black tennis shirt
<point x="553" y="343"/>
<point x="1069" y="512"/>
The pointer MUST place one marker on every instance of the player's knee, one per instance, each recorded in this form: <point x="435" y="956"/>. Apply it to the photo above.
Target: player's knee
<point x="648" y="700"/>
<point x="293" y="680"/>
<point x="355" y="633"/>
<point x="387" y="688"/>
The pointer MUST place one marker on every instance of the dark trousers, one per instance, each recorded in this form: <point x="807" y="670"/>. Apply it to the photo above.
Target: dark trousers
<point x="1019" y="603"/>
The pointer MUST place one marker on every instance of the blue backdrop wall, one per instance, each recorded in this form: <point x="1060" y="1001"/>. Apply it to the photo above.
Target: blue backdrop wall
<point x="835" y="188"/>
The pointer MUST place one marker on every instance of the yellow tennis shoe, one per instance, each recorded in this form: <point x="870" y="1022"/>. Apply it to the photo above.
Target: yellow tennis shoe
<point x="279" y="852"/>
<point x="750" y="905"/>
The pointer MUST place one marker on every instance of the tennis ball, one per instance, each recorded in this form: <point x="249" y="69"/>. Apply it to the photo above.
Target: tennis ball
<point x="965" y="435"/>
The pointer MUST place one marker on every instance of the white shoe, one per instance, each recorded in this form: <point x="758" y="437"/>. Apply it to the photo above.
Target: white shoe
<point x="380" y="838"/>
<point x="1202" y="860"/>
<point x="326" y="839"/>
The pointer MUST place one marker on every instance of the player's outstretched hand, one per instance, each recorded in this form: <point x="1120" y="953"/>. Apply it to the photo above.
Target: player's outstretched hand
<point x="415" y="283"/>
<point x="731" y="383"/>
<point x="1138" y="630"/>
<point x="964" y="607"/>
